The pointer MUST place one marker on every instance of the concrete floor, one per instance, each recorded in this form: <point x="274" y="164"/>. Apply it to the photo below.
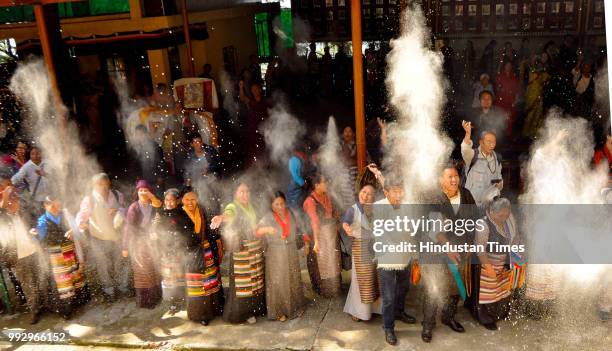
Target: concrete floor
<point x="323" y="327"/>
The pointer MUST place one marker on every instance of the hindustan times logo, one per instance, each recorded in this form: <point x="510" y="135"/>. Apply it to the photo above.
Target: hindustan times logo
<point x="412" y="226"/>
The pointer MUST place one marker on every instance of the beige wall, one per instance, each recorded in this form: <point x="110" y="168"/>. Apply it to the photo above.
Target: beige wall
<point x="238" y="32"/>
<point x="234" y="26"/>
<point x="159" y="66"/>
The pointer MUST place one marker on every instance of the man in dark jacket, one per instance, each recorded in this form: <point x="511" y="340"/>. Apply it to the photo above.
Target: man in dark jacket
<point x="441" y="283"/>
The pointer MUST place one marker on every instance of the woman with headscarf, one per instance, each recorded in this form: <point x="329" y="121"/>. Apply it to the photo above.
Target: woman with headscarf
<point x="167" y="225"/>
<point x="363" y="297"/>
<point x="281" y="233"/>
<point x="202" y="255"/>
<point x="246" y="298"/>
<point x="138" y="245"/>
<point x="493" y="277"/>
<point x="324" y="254"/>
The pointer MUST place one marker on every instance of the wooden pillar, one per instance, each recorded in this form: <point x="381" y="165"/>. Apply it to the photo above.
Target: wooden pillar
<point x="358" y="83"/>
<point x="190" y="65"/>
<point x="45" y="42"/>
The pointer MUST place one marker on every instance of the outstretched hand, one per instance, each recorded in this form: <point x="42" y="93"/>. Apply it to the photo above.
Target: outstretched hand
<point x="216" y="222"/>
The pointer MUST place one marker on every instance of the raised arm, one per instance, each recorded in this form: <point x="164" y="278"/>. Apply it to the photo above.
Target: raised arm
<point x="467" y="151"/>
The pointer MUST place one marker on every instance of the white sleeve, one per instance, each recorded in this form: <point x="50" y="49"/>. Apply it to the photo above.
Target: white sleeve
<point x="467" y="152"/>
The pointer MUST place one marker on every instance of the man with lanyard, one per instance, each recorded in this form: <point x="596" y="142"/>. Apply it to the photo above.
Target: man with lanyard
<point x="33" y="174"/>
<point x="482" y="165"/>
<point x="441" y="271"/>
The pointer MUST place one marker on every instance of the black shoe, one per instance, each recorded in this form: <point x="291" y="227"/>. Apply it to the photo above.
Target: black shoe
<point x="490" y="326"/>
<point x="204" y="323"/>
<point x="406" y="318"/>
<point x="390" y="337"/>
<point x="454" y="325"/>
<point x="35" y="318"/>
<point x="426" y="335"/>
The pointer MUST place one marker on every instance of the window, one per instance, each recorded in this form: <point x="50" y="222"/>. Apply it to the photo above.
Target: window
<point x="486" y="10"/>
<point x="556" y="7"/>
<point x="458" y="10"/>
<point x="499" y="9"/>
<point x="262" y="32"/>
<point x="513" y="9"/>
<point x="379" y="12"/>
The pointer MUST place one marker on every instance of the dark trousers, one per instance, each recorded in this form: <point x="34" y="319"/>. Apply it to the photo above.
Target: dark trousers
<point x="430" y="309"/>
<point x="34" y="281"/>
<point x="394" y="286"/>
<point x="440" y="289"/>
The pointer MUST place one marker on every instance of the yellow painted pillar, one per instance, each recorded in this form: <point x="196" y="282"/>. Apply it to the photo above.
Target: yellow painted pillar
<point x="159" y="66"/>
<point x="199" y="55"/>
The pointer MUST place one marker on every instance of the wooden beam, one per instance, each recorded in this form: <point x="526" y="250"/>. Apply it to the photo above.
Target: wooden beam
<point x="45" y="43"/>
<point x="11" y="3"/>
<point x="190" y="63"/>
<point x="358" y="83"/>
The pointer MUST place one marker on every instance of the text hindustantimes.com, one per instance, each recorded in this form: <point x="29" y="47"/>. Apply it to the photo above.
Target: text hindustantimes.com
<point x="458" y="227"/>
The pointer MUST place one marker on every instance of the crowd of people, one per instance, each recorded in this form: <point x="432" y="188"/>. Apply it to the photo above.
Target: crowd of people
<point x="60" y="262"/>
<point x="168" y="240"/>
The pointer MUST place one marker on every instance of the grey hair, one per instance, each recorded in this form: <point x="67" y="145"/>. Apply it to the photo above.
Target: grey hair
<point x="98" y="177"/>
<point x="174" y="192"/>
<point x="484" y="133"/>
<point x="499" y="204"/>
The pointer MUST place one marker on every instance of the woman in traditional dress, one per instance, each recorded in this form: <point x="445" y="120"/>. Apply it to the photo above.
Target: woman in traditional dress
<point x="138" y="245"/>
<point x="246" y="298"/>
<point x="68" y="281"/>
<point x="363" y="297"/>
<point x="202" y="255"/>
<point x="167" y="225"/>
<point x="323" y="256"/>
<point x="493" y="279"/>
<point x="281" y="231"/>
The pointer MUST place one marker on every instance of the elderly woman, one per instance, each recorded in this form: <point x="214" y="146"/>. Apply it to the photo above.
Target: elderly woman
<point x="138" y="244"/>
<point x="202" y="254"/>
<point x="246" y="298"/>
<point x="167" y="225"/>
<point x="363" y="298"/>
<point x="492" y="279"/>
<point x="281" y="231"/>
<point x="324" y="255"/>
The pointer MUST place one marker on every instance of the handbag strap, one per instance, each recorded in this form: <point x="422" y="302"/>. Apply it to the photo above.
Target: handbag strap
<point x="37" y="184"/>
